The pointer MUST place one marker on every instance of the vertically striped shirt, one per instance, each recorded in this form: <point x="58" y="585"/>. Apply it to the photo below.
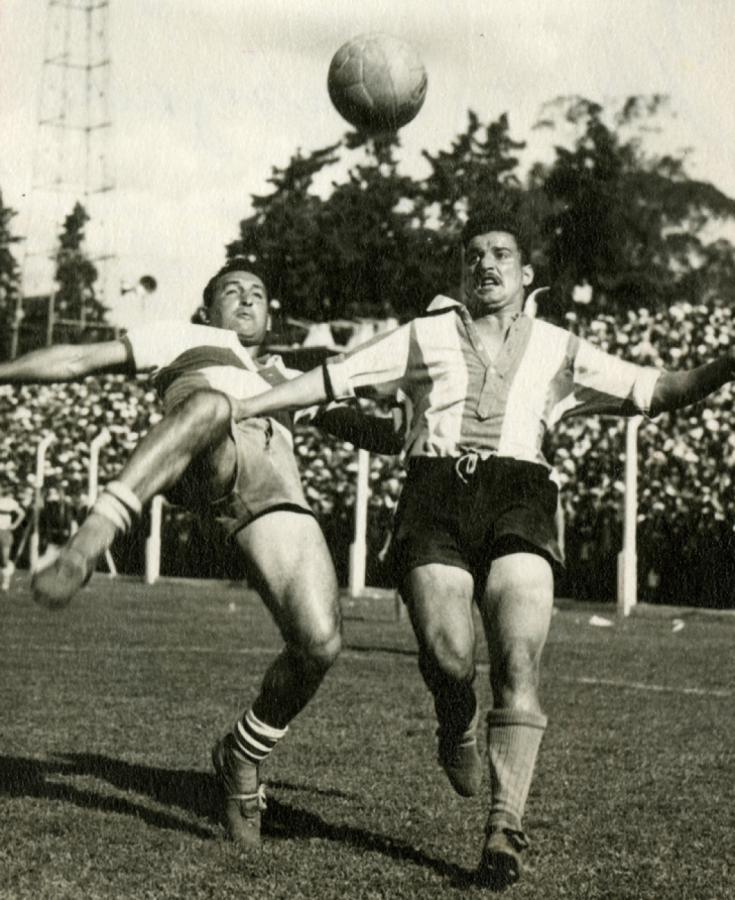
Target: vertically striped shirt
<point x="460" y="399"/>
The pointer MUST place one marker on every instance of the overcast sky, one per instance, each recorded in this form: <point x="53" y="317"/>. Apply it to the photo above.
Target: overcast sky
<point x="207" y="95"/>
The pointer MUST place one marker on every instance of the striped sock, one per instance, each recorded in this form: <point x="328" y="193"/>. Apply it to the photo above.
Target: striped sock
<point x="254" y="740"/>
<point x="513" y="741"/>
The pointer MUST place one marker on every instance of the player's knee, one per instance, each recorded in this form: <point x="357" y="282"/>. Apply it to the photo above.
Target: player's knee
<point x="205" y="410"/>
<point x="324" y="654"/>
<point x="445" y="657"/>
<point x="318" y="656"/>
<point x="319" y="646"/>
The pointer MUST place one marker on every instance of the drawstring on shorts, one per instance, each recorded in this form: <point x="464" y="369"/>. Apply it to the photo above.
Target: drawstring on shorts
<point x="466" y="465"/>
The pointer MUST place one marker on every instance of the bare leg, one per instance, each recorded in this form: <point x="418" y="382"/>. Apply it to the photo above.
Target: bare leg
<point x="439" y="599"/>
<point x="197" y="427"/>
<point x="516" y="609"/>
<point x="6" y="563"/>
<point x="290" y="565"/>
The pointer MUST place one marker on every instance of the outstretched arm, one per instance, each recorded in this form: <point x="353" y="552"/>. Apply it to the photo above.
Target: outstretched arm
<point x="381" y="363"/>
<point x="306" y="390"/>
<point x="64" y="362"/>
<point x="676" y="389"/>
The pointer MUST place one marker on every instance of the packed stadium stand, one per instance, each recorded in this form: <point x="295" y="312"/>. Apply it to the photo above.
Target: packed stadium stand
<point x="686" y="541"/>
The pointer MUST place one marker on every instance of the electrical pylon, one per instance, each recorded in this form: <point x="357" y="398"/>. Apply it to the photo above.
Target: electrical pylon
<point x="72" y="157"/>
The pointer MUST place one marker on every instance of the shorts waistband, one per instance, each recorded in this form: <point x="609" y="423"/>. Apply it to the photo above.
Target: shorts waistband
<point x="466" y="464"/>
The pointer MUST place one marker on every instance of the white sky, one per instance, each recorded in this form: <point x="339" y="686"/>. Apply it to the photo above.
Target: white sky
<point x="207" y="95"/>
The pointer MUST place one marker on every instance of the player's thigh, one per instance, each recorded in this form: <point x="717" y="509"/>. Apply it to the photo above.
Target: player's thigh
<point x="221" y="465"/>
<point x="440" y="601"/>
<point x="209" y="477"/>
<point x="517" y="603"/>
<point x="289" y="564"/>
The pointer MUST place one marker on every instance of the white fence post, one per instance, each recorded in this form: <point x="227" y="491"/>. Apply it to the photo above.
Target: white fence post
<point x="95" y="445"/>
<point x="627" y="558"/>
<point x="41" y="450"/>
<point x="358" y="548"/>
<point x="153" y="542"/>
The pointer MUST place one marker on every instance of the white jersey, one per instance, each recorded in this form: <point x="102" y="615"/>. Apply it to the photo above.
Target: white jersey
<point x="9" y="510"/>
<point x="182" y="357"/>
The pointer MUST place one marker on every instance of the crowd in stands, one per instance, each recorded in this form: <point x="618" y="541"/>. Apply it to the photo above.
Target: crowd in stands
<point x="686" y="518"/>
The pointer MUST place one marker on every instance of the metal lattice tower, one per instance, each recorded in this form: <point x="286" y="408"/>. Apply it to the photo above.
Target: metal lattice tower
<point x="72" y="154"/>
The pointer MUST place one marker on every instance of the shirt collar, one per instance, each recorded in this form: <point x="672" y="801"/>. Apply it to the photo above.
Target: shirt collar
<point x="441" y="302"/>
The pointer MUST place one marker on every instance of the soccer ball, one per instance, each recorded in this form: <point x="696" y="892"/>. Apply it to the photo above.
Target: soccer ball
<point x="377" y="82"/>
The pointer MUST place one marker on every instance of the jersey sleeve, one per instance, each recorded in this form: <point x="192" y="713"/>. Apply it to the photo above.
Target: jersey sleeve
<point x="603" y="383"/>
<point x="380" y="363"/>
<point x="156" y="344"/>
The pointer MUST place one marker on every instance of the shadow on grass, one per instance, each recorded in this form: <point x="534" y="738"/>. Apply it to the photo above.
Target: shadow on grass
<point x="285" y="822"/>
<point x="46" y="779"/>
<point x="195" y="793"/>
<point x="392" y="651"/>
<point x="310" y="789"/>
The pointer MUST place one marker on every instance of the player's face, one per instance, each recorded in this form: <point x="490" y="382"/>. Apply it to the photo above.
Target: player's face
<point x="494" y="276"/>
<point x="241" y="305"/>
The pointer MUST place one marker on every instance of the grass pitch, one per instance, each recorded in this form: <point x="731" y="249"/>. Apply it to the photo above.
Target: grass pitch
<point x="109" y="709"/>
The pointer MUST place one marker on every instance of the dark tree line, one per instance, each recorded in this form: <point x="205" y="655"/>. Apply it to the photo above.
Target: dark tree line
<point x="74" y="299"/>
<point x="606" y="212"/>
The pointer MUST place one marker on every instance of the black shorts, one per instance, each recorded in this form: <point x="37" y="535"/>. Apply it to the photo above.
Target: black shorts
<point x="467" y="512"/>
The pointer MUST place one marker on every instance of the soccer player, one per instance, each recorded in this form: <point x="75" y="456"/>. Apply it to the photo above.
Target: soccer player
<point x="476" y="521"/>
<point x="11" y="515"/>
<point x="241" y="478"/>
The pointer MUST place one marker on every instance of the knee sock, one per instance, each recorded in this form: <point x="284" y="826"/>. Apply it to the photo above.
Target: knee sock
<point x="118" y="504"/>
<point x="254" y="739"/>
<point x="112" y="514"/>
<point x="513" y="741"/>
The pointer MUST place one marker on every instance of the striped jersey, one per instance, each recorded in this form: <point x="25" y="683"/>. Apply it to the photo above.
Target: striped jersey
<point x="461" y="400"/>
<point x="182" y="358"/>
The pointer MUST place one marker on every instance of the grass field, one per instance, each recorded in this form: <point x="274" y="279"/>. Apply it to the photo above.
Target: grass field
<point x="109" y="709"/>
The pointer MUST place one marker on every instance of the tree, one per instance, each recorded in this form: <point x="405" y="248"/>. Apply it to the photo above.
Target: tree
<point x="76" y="275"/>
<point x="361" y="251"/>
<point x="383" y="258"/>
<point x="73" y="314"/>
<point x="481" y="165"/>
<point x="630" y="223"/>
<point x="282" y="233"/>
<point x="9" y="277"/>
<point x="605" y="210"/>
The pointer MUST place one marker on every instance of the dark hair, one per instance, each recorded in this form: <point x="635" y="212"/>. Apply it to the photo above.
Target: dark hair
<point x="491" y="219"/>
<point x="236" y="264"/>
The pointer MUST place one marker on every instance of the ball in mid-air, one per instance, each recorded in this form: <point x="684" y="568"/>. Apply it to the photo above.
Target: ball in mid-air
<point x="377" y="82"/>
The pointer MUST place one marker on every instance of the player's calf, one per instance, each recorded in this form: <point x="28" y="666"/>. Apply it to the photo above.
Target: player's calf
<point x="459" y="756"/>
<point x="450" y="678"/>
